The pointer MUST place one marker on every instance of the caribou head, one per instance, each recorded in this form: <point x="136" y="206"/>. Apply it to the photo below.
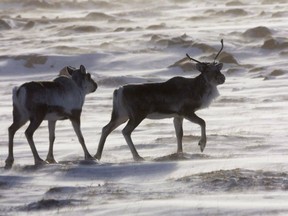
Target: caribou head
<point x="211" y="70"/>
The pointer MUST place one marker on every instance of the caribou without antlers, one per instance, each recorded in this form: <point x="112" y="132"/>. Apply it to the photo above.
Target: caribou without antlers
<point x="59" y="99"/>
<point x="178" y="97"/>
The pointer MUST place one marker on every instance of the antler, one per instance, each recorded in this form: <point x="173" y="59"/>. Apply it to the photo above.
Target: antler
<point x="219" y="50"/>
<point x="193" y="59"/>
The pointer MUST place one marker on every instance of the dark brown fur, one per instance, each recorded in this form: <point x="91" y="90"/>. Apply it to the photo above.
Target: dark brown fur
<point x="178" y="97"/>
<point x="59" y="99"/>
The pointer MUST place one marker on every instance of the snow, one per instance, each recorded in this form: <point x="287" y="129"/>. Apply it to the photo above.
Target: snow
<point x="243" y="169"/>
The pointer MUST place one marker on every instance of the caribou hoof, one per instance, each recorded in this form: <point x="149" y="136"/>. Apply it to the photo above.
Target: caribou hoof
<point x="89" y="157"/>
<point x="51" y="161"/>
<point x="40" y="162"/>
<point x="138" y="158"/>
<point x="202" y="144"/>
<point x="9" y="163"/>
<point x="97" y="156"/>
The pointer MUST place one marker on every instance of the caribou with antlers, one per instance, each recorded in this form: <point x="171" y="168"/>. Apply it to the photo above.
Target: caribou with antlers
<point x="178" y="97"/>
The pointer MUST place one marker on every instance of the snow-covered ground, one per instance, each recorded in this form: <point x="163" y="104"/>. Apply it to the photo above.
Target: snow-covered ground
<point x="243" y="170"/>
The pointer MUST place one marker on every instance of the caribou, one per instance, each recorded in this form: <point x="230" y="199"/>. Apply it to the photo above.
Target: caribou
<point x="178" y="98"/>
<point x="59" y="99"/>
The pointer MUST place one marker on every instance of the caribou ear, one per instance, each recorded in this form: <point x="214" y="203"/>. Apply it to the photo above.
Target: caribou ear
<point x="70" y="70"/>
<point x="82" y="69"/>
<point x="66" y="71"/>
<point x="201" y="67"/>
<point x="219" y="66"/>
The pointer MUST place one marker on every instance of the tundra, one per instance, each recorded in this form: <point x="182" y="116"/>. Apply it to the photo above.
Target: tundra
<point x="178" y="97"/>
<point x="59" y="99"/>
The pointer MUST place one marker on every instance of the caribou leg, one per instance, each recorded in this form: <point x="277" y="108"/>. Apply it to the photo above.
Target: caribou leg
<point x="51" y="127"/>
<point x="197" y="120"/>
<point x="18" y="122"/>
<point x="76" y="126"/>
<point x="112" y="125"/>
<point x="178" y="121"/>
<point x="34" y="124"/>
<point x="131" y="125"/>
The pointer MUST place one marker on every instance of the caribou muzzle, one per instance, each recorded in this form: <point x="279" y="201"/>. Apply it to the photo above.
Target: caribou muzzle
<point x="220" y="79"/>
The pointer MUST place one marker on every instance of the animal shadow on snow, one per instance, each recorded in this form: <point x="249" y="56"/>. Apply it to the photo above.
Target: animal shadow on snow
<point x="59" y="164"/>
<point x="106" y="171"/>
